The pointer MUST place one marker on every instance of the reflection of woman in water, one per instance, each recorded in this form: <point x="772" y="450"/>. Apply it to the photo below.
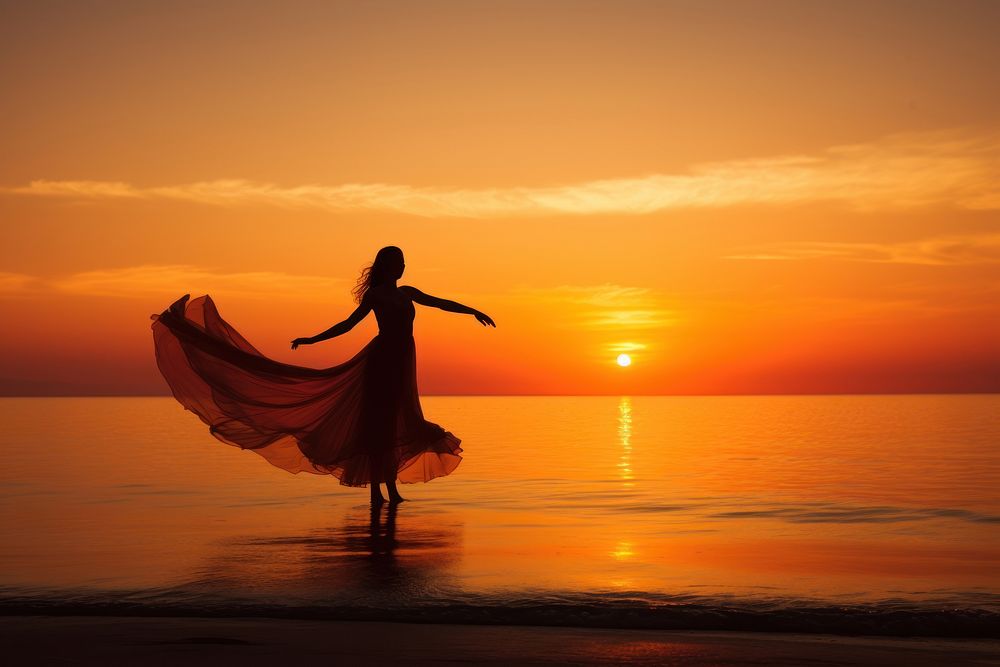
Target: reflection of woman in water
<point x="360" y="421"/>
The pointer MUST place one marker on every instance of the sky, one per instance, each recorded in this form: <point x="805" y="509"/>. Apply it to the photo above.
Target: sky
<point x="747" y="198"/>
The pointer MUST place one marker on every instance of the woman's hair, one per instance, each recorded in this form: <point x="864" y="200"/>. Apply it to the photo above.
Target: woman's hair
<point x="386" y="261"/>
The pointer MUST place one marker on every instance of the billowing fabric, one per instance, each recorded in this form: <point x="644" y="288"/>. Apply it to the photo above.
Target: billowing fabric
<point x="360" y="421"/>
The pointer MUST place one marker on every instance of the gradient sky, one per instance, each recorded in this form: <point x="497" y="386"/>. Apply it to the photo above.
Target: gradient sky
<point x="770" y="197"/>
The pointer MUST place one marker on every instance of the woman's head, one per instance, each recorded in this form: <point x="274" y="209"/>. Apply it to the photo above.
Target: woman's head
<point x="388" y="266"/>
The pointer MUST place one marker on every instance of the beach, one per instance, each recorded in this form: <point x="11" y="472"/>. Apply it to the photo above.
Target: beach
<point x="213" y="641"/>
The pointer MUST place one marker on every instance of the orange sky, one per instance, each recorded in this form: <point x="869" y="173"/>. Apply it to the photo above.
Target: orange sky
<point x="774" y="197"/>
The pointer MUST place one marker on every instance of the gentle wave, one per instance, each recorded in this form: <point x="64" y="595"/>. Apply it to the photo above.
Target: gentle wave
<point x="572" y="609"/>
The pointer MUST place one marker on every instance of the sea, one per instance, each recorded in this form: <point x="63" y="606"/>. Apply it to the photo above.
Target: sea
<point x="875" y="515"/>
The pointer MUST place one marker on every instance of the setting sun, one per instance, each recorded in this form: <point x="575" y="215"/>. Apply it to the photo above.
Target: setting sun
<point x="624" y="360"/>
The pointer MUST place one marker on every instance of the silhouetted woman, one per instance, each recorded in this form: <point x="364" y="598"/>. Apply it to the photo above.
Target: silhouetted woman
<point x="360" y="421"/>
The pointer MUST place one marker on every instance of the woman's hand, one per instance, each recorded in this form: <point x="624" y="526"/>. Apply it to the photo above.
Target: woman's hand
<point x="484" y="319"/>
<point x="301" y="341"/>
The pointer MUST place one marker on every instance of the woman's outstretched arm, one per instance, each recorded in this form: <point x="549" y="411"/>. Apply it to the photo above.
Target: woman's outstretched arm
<point x="337" y="329"/>
<point x="444" y="304"/>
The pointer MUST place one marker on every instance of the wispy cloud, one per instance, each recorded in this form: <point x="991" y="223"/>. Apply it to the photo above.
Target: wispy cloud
<point x="940" y="251"/>
<point x="631" y="319"/>
<point x="173" y="280"/>
<point x="610" y="307"/>
<point x="16" y="283"/>
<point x="626" y="347"/>
<point x="957" y="168"/>
<point x="606" y="295"/>
<point x="81" y="190"/>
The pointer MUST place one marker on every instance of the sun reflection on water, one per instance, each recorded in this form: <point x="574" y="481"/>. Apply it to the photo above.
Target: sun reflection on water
<point x="623" y="551"/>
<point x="625" y="436"/>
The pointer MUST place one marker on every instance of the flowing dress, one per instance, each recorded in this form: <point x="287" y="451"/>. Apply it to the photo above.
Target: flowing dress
<point x="359" y="421"/>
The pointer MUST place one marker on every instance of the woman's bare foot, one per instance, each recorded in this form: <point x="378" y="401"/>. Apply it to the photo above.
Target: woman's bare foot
<point x="377" y="498"/>
<point x="394" y="496"/>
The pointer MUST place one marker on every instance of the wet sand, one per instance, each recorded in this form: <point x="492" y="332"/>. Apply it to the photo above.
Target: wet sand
<point x="197" y="641"/>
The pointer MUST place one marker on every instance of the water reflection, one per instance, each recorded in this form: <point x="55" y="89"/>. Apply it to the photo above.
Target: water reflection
<point x="625" y="436"/>
<point x="623" y="551"/>
<point x="388" y="556"/>
<point x="754" y="497"/>
<point x="382" y="538"/>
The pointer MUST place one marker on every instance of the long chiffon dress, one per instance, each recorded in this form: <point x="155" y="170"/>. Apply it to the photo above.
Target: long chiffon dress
<point x="359" y="421"/>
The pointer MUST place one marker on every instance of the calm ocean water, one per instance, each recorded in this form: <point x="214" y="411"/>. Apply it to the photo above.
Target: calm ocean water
<point x="836" y="513"/>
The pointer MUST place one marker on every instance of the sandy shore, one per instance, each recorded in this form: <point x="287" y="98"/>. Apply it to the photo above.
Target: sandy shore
<point x="195" y="641"/>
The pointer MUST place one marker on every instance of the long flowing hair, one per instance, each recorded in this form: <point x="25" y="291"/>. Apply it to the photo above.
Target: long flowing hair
<point x="378" y="272"/>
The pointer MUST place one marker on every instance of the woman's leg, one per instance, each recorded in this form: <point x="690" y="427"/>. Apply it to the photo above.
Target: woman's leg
<point x="376" y="477"/>
<point x="394" y="496"/>
<point x="389" y="475"/>
<point x="377" y="498"/>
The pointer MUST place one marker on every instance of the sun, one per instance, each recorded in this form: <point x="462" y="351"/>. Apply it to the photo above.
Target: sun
<point x="624" y="360"/>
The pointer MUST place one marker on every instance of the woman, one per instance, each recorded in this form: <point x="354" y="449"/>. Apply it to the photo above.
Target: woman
<point x="360" y="421"/>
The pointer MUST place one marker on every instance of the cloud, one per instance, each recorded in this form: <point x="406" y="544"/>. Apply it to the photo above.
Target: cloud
<point x="80" y="190"/>
<point x="174" y="280"/>
<point x="626" y="347"/>
<point x="955" y="168"/>
<point x="606" y="306"/>
<point x="604" y="295"/>
<point x="17" y="283"/>
<point x="940" y="251"/>
<point x="631" y="319"/>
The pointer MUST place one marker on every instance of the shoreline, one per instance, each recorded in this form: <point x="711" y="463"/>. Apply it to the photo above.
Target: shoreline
<point x="253" y="641"/>
<point x="935" y="622"/>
